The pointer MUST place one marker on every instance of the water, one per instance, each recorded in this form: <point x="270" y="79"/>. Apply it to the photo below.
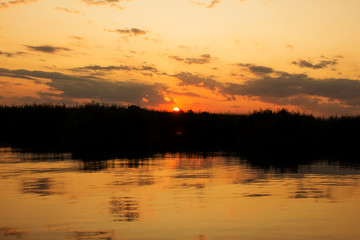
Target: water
<point x="174" y="196"/>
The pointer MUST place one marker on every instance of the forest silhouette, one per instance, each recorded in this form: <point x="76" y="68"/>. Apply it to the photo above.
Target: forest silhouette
<point x="99" y="129"/>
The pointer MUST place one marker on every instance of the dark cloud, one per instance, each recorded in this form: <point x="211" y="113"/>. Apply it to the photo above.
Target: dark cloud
<point x="14" y="74"/>
<point x="288" y="85"/>
<point x="257" y="70"/>
<point x="10" y="3"/>
<point x="66" y="10"/>
<point x="147" y="68"/>
<point x="320" y="65"/>
<point x="91" y="87"/>
<point x="187" y="79"/>
<point x="130" y="32"/>
<point x="328" y="94"/>
<point x="47" y="48"/>
<point x="205" y="58"/>
<point x="129" y="92"/>
<point x="11" y="54"/>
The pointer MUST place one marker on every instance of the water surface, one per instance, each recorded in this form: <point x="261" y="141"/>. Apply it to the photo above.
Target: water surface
<point x="174" y="196"/>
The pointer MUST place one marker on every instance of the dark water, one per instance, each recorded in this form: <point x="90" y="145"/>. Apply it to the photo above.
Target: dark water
<point x="174" y="196"/>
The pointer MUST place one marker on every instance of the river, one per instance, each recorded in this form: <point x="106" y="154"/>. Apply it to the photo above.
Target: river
<point x="175" y="196"/>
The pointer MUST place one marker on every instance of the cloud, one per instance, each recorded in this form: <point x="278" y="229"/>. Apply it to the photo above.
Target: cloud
<point x="11" y="54"/>
<point x="47" y="48"/>
<point x="66" y="10"/>
<point x="322" y="64"/>
<point x="283" y="85"/>
<point x="210" y="5"/>
<point x="257" y="70"/>
<point x="77" y="38"/>
<point x="91" y="87"/>
<point x="282" y="88"/>
<point x="130" y="32"/>
<point x="289" y="46"/>
<point x="189" y="94"/>
<point x="111" y="3"/>
<point x="10" y="3"/>
<point x="289" y="85"/>
<point x="205" y="58"/>
<point x="98" y="68"/>
<point x="187" y="79"/>
<point x="102" y="68"/>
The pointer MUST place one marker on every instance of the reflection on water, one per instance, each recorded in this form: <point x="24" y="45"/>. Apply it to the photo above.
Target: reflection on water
<point x="41" y="186"/>
<point x="175" y="196"/>
<point x="78" y="235"/>
<point x="124" y="209"/>
<point x="10" y="232"/>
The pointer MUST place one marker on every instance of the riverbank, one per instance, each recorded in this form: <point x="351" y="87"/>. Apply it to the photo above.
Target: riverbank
<point x="97" y="129"/>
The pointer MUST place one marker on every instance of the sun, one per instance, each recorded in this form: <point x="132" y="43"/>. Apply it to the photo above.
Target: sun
<point x="176" y="109"/>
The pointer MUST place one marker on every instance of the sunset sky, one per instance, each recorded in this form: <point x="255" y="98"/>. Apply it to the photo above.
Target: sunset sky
<point x="206" y="55"/>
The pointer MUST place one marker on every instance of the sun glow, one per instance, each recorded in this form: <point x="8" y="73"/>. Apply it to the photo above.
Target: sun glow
<point x="176" y="109"/>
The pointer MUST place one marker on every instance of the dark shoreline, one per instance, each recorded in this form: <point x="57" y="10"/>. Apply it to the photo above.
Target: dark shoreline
<point x="98" y="131"/>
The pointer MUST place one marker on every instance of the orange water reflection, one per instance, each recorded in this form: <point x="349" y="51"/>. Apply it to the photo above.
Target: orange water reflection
<point x="174" y="196"/>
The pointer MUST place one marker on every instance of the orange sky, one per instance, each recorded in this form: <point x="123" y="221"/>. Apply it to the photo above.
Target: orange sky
<point x="218" y="56"/>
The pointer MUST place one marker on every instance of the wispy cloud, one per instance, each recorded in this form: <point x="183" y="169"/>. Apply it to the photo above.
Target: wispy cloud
<point x="67" y="10"/>
<point x="205" y="58"/>
<point x="101" y="68"/>
<point x="144" y="69"/>
<point x="289" y="46"/>
<point x="189" y="94"/>
<point x="111" y="3"/>
<point x="77" y="38"/>
<point x="7" y="4"/>
<point x="212" y="4"/>
<point x="129" y="32"/>
<point x="207" y="5"/>
<point x="47" y="48"/>
<point x="11" y="54"/>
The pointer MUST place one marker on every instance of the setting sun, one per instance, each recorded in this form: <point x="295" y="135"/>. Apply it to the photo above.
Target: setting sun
<point x="176" y="109"/>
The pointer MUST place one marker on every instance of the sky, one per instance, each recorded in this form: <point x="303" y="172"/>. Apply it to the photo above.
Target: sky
<point x="225" y="56"/>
